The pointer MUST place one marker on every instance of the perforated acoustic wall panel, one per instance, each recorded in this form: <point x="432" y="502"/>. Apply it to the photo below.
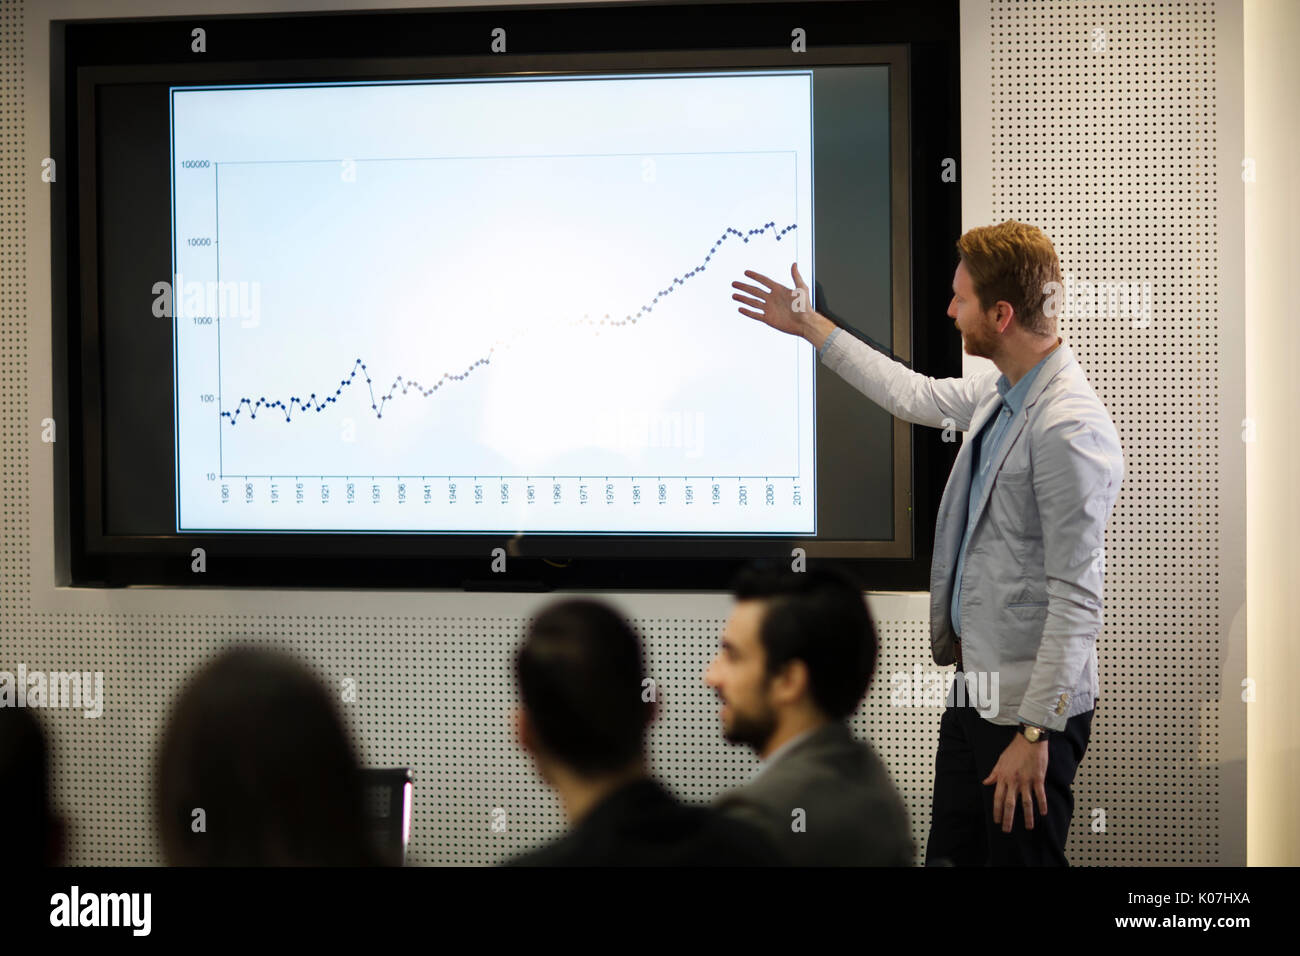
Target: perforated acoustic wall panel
<point x="1107" y="151"/>
<point x="1107" y="128"/>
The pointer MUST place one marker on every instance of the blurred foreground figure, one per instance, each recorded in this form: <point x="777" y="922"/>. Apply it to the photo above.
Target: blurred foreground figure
<point x="33" y="834"/>
<point x="256" y="769"/>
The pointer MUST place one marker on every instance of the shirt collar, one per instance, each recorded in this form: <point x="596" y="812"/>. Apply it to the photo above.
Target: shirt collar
<point x="1014" y="395"/>
<point x="780" y="751"/>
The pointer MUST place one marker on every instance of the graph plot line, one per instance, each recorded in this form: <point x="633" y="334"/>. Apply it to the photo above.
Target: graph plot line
<point x="402" y="385"/>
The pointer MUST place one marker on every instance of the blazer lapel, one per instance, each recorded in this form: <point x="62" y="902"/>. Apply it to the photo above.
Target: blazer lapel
<point x="1014" y="427"/>
<point x="982" y="415"/>
<point x="1055" y="362"/>
<point x="951" y="524"/>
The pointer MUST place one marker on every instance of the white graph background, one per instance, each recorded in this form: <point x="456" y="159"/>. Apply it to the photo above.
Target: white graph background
<point x="427" y="295"/>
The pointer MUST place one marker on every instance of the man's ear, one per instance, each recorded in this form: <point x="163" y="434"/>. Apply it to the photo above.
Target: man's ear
<point x="792" y="682"/>
<point x="1005" y="315"/>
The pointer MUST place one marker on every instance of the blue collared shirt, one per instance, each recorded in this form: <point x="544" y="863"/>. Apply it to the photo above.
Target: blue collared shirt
<point x="983" y="455"/>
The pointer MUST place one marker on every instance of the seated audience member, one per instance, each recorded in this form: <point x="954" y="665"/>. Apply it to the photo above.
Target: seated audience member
<point x="33" y="833"/>
<point x="583" y="718"/>
<point x="256" y="769"/>
<point x="798" y="653"/>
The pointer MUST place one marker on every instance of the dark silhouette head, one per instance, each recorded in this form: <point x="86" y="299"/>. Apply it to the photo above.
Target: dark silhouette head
<point x="257" y="752"/>
<point x="33" y="834"/>
<point x="580" y="675"/>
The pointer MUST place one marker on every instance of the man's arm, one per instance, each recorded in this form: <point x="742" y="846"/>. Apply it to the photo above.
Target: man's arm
<point x="1078" y="467"/>
<point x="909" y="395"/>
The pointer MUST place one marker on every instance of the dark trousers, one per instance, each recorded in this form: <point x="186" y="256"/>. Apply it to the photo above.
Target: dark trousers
<point x="962" y="831"/>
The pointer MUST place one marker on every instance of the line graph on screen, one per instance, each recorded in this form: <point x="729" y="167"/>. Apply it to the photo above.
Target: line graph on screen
<point x="453" y="341"/>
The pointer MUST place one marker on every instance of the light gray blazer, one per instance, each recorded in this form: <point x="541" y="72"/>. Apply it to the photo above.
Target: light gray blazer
<point x="1031" y="593"/>
<point x="828" y="801"/>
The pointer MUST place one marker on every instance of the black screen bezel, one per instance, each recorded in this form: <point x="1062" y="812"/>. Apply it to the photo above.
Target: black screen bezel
<point x="87" y="52"/>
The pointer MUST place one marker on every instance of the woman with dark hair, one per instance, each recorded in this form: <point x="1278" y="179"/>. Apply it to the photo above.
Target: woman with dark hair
<point x="256" y="769"/>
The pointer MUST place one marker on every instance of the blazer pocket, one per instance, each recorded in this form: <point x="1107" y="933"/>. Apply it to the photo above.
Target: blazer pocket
<point x="1010" y="499"/>
<point x="1027" y="613"/>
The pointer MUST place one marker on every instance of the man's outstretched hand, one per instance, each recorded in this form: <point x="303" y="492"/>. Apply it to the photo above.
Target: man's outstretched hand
<point x="788" y="310"/>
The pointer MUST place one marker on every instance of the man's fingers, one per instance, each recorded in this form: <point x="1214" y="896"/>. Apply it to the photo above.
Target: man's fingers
<point x="1042" y="800"/>
<point x="750" y="289"/>
<point x="756" y="303"/>
<point x="997" y="803"/>
<point x="752" y="315"/>
<point x="1028" y="802"/>
<point x="759" y="277"/>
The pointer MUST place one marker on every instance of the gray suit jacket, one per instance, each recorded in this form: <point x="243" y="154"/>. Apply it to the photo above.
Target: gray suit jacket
<point x="852" y="814"/>
<point x="1031" y="592"/>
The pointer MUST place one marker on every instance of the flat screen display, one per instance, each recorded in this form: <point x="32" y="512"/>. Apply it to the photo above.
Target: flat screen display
<point x="492" y="305"/>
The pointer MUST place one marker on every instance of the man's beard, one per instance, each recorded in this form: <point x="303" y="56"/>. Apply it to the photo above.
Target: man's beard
<point x="978" y="346"/>
<point x="755" y="730"/>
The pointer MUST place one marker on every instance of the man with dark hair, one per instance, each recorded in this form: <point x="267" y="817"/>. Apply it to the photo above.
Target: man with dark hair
<point x="1019" y="545"/>
<point x="585" y="710"/>
<point x="256" y="769"/>
<point x="33" y="832"/>
<point x="797" y="656"/>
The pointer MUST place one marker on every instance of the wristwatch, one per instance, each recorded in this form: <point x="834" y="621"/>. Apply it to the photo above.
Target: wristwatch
<point x="1033" y="734"/>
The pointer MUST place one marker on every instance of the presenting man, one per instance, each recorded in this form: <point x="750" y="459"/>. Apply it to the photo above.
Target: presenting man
<point x="1016" y="580"/>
